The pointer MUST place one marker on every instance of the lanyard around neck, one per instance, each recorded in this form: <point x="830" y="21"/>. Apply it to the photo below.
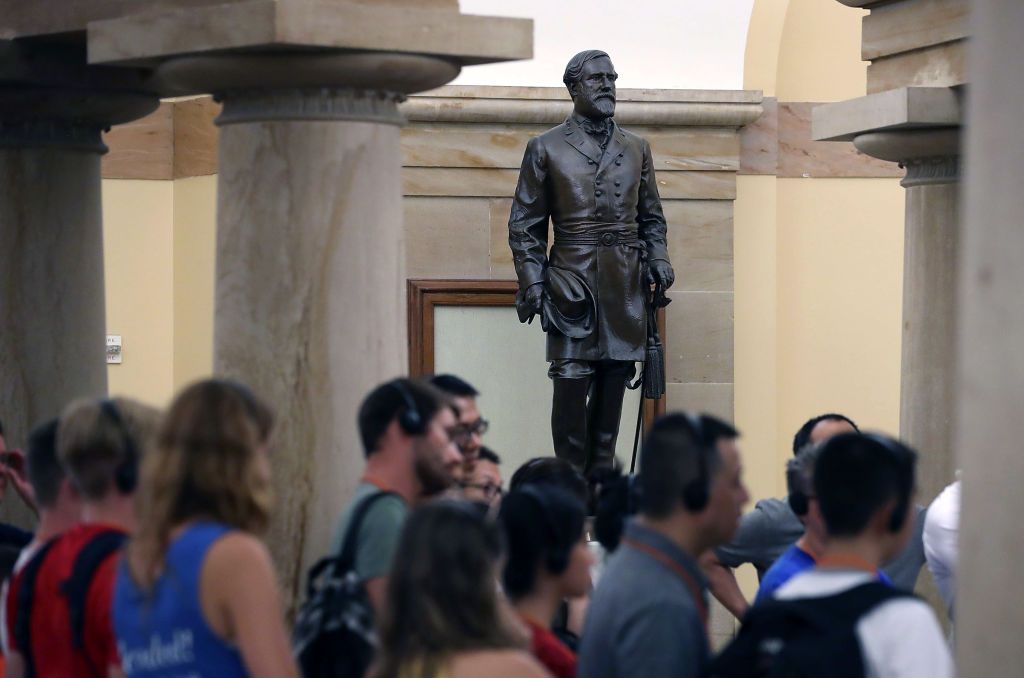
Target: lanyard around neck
<point x="679" y="570"/>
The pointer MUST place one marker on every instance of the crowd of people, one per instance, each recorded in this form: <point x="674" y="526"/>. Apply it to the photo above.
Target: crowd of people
<point x="148" y="560"/>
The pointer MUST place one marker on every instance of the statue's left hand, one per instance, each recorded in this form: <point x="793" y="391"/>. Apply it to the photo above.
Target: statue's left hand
<point x="662" y="273"/>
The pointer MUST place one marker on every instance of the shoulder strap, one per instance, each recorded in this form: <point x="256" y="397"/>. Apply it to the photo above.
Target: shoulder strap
<point x="852" y="604"/>
<point x="347" y="556"/>
<point x="23" y="617"/>
<point x="76" y="587"/>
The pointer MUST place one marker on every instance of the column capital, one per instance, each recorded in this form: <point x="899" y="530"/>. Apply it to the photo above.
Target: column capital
<point x="930" y="156"/>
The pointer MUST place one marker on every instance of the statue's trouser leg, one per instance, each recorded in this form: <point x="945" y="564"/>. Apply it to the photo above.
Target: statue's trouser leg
<point x="605" y="410"/>
<point x="571" y="382"/>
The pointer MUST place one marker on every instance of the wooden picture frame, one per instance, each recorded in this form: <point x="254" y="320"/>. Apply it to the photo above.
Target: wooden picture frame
<point x="423" y="296"/>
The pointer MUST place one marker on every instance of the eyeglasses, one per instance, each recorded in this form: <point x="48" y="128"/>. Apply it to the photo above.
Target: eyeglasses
<point x="488" y="489"/>
<point x="465" y="431"/>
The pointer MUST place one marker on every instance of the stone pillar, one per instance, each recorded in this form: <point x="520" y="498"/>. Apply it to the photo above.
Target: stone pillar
<point x="990" y="334"/>
<point x="931" y="245"/>
<point x="310" y="290"/>
<point x="52" y="112"/>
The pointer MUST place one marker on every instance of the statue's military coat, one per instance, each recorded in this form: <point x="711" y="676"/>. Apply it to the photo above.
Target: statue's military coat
<point x="608" y="223"/>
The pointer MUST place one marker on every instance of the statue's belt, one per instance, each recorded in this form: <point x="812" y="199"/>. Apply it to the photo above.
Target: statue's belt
<point x="627" y="238"/>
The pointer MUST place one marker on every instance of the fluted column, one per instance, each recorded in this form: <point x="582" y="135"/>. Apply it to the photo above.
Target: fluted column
<point x="310" y="281"/>
<point x="52" y="111"/>
<point x="931" y="247"/>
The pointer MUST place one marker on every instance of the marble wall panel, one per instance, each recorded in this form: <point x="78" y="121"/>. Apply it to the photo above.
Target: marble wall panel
<point x="142" y="149"/>
<point x="759" y="141"/>
<point x="700" y="244"/>
<point x="195" y="137"/>
<point x="939" y="66"/>
<point x="447" y="237"/>
<point x="716" y="399"/>
<point x="500" y="257"/>
<point x="800" y="156"/>
<point x="912" y="24"/>
<point x="699" y="342"/>
<point x="501" y="183"/>
<point x="502" y="146"/>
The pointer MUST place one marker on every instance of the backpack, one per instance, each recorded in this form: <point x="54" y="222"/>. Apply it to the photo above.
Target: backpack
<point x="75" y="588"/>
<point x="803" y="637"/>
<point x="334" y="635"/>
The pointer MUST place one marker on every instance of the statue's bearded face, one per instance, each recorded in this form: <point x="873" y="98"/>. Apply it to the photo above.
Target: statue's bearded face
<point x="593" y="95"/>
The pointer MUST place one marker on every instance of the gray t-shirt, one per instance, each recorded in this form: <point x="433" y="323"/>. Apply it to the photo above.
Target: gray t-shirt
<point x="643" y="620"/>
<point x="378" y="535"/>
<point x="772" y="527"/>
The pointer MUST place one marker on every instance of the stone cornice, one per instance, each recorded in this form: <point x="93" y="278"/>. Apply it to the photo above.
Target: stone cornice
<point x="551" y="105"/>
<point x="903" y="108"/>
<point x="242" y="106"/>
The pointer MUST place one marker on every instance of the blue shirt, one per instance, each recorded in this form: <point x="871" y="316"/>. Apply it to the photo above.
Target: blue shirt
<point x="163" y="633"/>
<point x="644" y="619"/>
<point x="792" y="562"/>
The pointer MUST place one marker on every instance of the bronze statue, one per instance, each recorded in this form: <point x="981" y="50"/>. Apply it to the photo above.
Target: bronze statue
<point x="596" y="182"/>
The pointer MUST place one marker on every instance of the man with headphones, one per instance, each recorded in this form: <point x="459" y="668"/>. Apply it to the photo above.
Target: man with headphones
<point x="63" y="595"/>
<point x="408" y="431"/>
<point x="649" y="613"/>
<point x="864" y="487"/>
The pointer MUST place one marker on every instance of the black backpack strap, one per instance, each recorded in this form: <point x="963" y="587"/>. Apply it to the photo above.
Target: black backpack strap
<point x="22" y="630"/>
<point x="76" y="587"/>
<point x="850" y="605"/>
<point x="347" y="556"/>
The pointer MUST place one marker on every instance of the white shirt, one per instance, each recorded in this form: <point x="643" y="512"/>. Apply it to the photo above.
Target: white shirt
<point x="941" y="525"/>
<point x="899" y="639"/>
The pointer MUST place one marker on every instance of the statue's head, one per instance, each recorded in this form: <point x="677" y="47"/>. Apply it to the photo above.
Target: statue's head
<point x="590" y="79"/>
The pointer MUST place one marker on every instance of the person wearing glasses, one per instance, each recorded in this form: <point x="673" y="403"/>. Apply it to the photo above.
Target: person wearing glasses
<point x="483" y="485"/>
<point x="468" y="435"/>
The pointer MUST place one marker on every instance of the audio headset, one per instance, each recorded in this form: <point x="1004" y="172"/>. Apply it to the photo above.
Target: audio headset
<point x="696" y="492"/>
<point x="903" y="461"/>
<point x="556" y="561"/>
<point x="798" y="498"/>
<point x="126" y="475"/>
<point x="409" y="418"/>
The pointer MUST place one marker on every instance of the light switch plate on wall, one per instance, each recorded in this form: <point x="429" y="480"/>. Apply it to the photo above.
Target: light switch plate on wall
<point x="113" y="349"/>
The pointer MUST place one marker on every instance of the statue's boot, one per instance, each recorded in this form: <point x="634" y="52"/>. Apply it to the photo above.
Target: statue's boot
<point x="569" y="420"/>
<point x="605" y="411"/>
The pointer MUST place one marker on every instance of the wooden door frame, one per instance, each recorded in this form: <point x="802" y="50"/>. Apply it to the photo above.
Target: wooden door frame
<point x="424" y="296"/>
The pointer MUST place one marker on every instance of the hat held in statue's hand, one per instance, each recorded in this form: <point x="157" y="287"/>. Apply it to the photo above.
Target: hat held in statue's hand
<point x="568" y="307"/>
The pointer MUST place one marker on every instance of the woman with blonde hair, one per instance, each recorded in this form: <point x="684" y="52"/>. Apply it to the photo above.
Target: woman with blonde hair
<point x="196" y="593"/>
<point x="444" y="616"/>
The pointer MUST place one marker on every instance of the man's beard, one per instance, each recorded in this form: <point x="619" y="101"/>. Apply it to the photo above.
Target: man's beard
<point x="432" y="474"/>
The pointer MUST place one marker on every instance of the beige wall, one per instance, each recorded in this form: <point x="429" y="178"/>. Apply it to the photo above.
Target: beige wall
<point x="818" y="261"/>
<point x="138" y="233"/>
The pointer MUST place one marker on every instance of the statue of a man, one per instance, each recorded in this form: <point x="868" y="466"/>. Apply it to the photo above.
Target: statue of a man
<point x="595" y="182"/>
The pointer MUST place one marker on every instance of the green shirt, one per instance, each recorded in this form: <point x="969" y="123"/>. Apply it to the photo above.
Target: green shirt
<point x="378" y="535"/>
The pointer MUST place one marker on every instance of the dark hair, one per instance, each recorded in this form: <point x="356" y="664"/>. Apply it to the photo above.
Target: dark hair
<point x="803" y="436"/>
<point x="542" y="525"/>
<point x="617" y="497"/>
<point x="856" y="475"/>
<point x="574" y="69"/>
<point x="442" y="597"/>
<point x="387" y="401"/>
<point x="550" y="471"/>
<point x="669" y="459"/>
<point x="800" y="478"/>
<point x="454" y="386"/>
<point x="1" y="428"/>
<point x="487" y="454"/>
<point x="44" y="469"/>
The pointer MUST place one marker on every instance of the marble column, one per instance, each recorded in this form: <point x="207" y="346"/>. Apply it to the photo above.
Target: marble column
<point x="310" y="281"/>
<point x="931" y="245"/>
<point x="990" y="335"/>
<point x="52" y="111"/>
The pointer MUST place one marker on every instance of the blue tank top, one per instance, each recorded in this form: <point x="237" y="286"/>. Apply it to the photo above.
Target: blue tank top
<point x="164" y="635"/>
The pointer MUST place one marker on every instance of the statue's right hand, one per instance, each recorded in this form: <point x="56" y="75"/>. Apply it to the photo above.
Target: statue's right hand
<point x="535" y="296"/>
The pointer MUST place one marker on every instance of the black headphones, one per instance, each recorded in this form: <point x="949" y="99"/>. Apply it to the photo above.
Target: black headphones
<point x="797" y="498"/>
<point x="556" y="560"/>
<point x="126" y="475"/>
<point x="903" y="462"/>
<point x="409" y="418"/>
<point x="696" y="493"/>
